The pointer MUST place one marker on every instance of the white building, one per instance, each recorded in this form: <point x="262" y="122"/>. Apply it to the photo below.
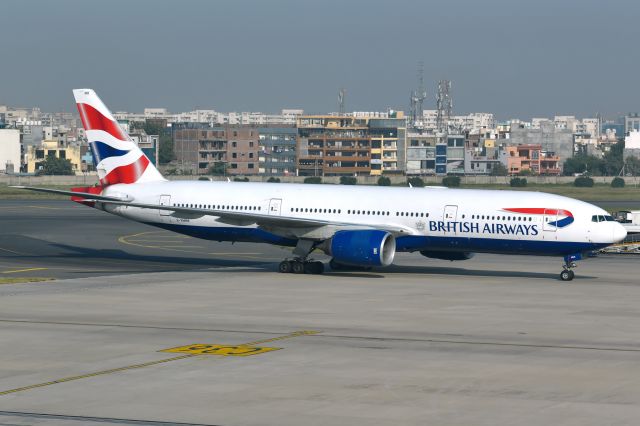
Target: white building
<point x="10" y="151"/>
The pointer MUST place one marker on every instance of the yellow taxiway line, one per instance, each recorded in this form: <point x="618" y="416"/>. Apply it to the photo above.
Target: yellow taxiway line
<point x="150" y="363"/>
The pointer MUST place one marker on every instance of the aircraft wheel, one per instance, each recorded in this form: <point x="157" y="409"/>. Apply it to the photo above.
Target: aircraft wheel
<point x="334" y="265"/>
<point x="566" y="275"/>
<point x="284" y="267"/>
<point x="297" y="268"/>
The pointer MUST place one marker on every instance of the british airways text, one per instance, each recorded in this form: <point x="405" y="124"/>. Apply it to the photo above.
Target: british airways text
<point x="487" y="228"/>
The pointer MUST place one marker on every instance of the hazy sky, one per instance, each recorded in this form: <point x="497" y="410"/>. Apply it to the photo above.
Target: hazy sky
<point x="513" y="58"/>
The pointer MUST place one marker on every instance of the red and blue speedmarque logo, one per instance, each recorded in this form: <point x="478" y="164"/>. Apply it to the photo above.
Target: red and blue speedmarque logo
<point x="563" y="217"/>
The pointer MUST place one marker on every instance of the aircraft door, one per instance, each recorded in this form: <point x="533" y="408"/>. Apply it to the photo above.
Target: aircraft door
<point x="450" y="213"/>
<point x="274" y="206"/>
<point x="165" y="200"/>
<point x="550" y="215"/>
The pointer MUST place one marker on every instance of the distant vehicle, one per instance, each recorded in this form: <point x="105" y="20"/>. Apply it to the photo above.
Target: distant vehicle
<point x="359" y="226"/>
<point x="630" y="220"/>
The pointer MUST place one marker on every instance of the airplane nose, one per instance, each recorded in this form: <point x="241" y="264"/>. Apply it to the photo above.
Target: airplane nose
<point x="619" y="233"/>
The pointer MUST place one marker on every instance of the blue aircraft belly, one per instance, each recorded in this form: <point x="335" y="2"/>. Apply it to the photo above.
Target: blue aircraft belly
<point x="403" y="244"/>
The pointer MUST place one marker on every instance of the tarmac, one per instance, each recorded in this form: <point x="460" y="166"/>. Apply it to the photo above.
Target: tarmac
<point x="137" y="326"/>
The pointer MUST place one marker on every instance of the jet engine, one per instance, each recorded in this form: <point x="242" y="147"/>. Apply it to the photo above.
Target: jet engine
<point x="362" y="248"/>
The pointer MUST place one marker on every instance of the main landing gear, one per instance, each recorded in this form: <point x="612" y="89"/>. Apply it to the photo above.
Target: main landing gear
<point x="300" y="264"/>
<point x="567" y="273"/>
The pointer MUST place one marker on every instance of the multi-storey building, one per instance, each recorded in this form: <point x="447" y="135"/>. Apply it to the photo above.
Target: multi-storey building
<point x="332" y="145"/>
<point x="421" y="154"/>
<point x="74" y="152"/>
<point x="277" y="151"/>
<point x="532" y="158"/>
<point x="241" y="150"/>
<point x="10" y="155"/>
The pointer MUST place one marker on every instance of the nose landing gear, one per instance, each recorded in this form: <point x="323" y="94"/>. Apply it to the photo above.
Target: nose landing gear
<point x="567" y="273"/>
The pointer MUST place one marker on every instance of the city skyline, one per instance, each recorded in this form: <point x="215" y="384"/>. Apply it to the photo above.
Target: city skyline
<point x="516" y="61"/>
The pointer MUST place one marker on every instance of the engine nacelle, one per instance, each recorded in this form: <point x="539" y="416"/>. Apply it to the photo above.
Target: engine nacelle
<point x="447" y="255"/>
<point x="363" y="248"/>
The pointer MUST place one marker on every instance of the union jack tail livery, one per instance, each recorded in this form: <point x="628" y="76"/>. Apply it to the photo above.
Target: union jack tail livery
<point x="116" y="157"/>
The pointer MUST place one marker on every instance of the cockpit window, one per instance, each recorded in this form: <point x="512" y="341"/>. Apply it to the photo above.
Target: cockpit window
<point x="601" y="218"/>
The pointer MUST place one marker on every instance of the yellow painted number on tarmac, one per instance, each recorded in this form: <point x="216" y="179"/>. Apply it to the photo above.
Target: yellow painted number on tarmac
<point x="222" y="350"/>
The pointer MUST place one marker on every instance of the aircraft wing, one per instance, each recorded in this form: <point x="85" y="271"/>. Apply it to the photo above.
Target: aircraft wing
<point x="262" y="220"/>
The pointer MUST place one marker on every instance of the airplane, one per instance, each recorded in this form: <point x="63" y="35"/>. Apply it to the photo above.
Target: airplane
<point x="358" y="226"/>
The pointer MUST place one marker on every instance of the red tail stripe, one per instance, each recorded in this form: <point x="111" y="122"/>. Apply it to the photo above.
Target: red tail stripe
<point x="126" y="174"/>
<point x="92" y="119"/>
<point x="538" y="210"/>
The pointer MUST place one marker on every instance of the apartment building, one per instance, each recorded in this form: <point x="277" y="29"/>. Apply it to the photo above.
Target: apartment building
<point x="333" y="145"/>
<point x="531" y="158"/>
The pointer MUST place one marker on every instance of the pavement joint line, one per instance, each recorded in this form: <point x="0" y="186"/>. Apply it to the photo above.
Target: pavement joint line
<point x="96" y="419"/>
<point x="15" y="271"/>
<point x="339" y="336"/>
<point x="11" y="251"/>
<point x="145" y="364"/>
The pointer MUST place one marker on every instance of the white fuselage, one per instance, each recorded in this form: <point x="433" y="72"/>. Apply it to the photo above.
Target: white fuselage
<point x="437" y="219"/>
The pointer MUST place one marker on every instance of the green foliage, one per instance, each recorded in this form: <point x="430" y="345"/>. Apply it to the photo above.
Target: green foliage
<point x="609" y="165"/>
<point x="517" y="182"/>
<point x="217" y="169"/>
<point x="241" y="179"/>
<point x="348" y="180"/>
<point x="415" y="182"/>
<point x="384" y="181"/>
<point x="583" y="182"/>
<point x="451" y="181"/>
<point x="57" y="166"/>
<point x="273" y="180"/>
<point x="525" y="172"/>
<point x="165" y="150"/>
<point x="617" y="182"/>
<point x="499" y="169"/>
<point x="632" y="166"/>
<point x="313" y="179"/>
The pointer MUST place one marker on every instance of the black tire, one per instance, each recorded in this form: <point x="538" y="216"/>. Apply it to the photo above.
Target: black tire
<point x="572" y="275"/>
<point x="284" y="267"/>
<point x="566" y="275"/>
<point x="297" y="268"/>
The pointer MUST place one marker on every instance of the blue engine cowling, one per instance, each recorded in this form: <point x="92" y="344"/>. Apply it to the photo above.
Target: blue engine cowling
<point x="363" y="248"/>
<point x="447" y="255"/>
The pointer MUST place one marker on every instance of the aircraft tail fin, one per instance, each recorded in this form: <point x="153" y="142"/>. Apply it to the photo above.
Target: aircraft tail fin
<point x="116" y="157"/>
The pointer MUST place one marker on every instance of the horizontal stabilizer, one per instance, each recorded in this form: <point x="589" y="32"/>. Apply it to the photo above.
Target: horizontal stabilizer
<point x="94" y="197"/>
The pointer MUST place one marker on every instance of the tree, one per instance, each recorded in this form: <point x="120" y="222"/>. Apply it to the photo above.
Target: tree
<point x="415" y="181"/>
<point x="348" y="180"/>
<point x="632" y="166"/>
<point x="583" y="164"/>
<point x="384" y="181"/>
<point x="583" y="182"/>
<point x="499" y="169"/>
<point x="57" y="166"/>
<point x="165" y="150"/>
<point x="273" y="180"/>
<point x="451" y="181"/>
<point x="617" y="182"/>
<point x="517" y="182"/>
<point x="218" y="169"/>
<point x="313" y="179"/>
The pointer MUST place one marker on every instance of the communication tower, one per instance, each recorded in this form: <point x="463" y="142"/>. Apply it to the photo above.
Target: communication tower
<point x="444" y="105"/>
<point x="341" y="94"/>
<point x="417" y="100"/>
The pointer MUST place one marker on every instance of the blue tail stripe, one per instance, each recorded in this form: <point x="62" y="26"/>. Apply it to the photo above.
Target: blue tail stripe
<point x="101" y="150"/>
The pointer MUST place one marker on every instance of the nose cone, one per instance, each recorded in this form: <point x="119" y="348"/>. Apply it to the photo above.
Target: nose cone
<point x="619" y="233"/>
